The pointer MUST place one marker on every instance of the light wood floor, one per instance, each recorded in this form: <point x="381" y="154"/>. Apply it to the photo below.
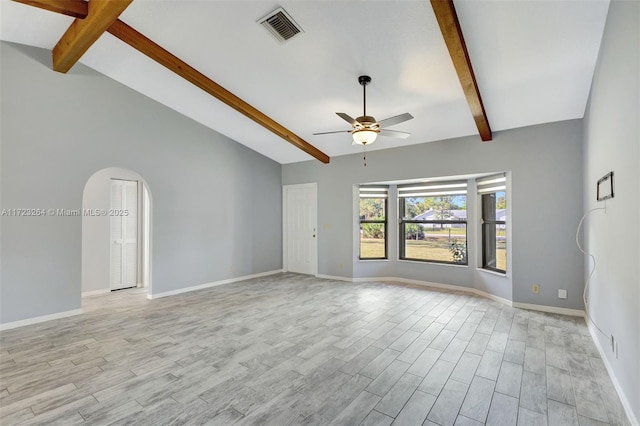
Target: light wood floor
<point x="291" y="349"/>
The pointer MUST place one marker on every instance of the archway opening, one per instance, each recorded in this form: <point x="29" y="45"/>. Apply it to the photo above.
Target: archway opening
<point x="116" y="200"/>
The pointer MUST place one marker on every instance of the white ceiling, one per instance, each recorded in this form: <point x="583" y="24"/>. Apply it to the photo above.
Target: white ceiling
<point x="533" y="60"/>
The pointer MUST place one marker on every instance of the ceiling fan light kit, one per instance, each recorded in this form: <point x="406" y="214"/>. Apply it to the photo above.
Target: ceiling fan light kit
<point x="366" y="129"/>
<point x="364" y="137"/>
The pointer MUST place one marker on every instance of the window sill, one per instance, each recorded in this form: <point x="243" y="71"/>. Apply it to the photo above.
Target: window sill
<point x="488" y="271"/>
<point x="426" y="262"/>
<point x="372" y="260"/>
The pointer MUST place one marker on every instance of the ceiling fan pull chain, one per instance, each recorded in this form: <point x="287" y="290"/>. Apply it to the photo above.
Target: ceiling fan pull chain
<point x="364" y="147"/>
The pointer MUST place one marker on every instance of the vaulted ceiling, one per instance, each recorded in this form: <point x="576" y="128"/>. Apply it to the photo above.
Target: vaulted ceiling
<point x="533" y="63"/>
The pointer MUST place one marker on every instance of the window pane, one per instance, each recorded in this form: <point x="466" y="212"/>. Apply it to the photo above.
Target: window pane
<point x="495" y="246"/>
<point x="501" y="247"/>
<point x="494" y="235"/>
<point x="440" y="242"/>
<point x="373" y="235"/>
<point x="452" y="208"/>
<point x="501" y="205"/>
<point x="489" y="207"/>
<point x="436" y="242"/>
<point x="489" y="246"/>
<point x="372" y="241"/>
<point x="372" y="208"/>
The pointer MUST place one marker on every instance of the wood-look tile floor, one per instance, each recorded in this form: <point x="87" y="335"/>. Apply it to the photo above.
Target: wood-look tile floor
<point x="292" y="349"/>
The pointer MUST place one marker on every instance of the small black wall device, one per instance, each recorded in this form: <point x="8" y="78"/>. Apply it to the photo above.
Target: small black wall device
<point x="605" y="187"/>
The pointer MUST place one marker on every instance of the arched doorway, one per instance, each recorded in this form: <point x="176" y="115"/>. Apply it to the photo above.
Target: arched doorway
<point x="100" y="218"/>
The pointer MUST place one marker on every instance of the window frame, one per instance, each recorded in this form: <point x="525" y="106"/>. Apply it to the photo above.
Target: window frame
<point x="488" y="233"/>
<point x="384" y="222"/>
<point x="402" y="229"/>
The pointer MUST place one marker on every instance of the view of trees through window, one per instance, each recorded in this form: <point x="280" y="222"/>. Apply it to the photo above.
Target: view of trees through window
<point x="434" y="228"/>
<point x="373" y="222"/>
<point x="432" y="221"/>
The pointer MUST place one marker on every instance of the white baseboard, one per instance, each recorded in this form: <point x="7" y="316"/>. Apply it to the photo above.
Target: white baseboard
<point x="450" y="287"/>
<point x="212" y="284"/>
<point x="36" y="320"/>
<point x="550" y="309"/>
<point x="334" y="277"/>
<point x="493" y="297"/>
<point x="95" y="292"/>
<point x="623" y="397"/>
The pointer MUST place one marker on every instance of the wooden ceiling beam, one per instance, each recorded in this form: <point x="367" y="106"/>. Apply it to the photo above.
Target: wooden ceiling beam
<point x="75" y="8"/>
<point x="84" y="32"/>
<point x="165" y="58"/>
<point x="81" y="9"/>
<point x="450" y="27"/>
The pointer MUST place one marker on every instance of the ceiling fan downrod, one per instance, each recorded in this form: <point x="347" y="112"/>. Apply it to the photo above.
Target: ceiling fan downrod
<point x="364" y="80"/>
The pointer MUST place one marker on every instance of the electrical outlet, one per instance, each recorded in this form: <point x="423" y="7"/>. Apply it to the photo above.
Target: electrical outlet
<point x="562" y="294"/>
<point x="535" y="288"/>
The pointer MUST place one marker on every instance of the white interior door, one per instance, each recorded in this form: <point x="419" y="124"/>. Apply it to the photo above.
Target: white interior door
<point x="300" y="228"/>
<point x="124" y="234"/>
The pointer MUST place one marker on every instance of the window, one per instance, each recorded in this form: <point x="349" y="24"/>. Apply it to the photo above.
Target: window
<point x="433" y="222"/>
<point x="373" y="222"/>
<point x="493" y="204"/>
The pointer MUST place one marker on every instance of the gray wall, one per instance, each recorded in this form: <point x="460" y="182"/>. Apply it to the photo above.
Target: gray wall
<point x="217" y="205"/>
<point x="545" y="162"/>
<point x="612" y="140"/>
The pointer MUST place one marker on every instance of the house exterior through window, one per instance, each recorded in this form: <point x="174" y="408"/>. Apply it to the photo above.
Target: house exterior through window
<point x="433" y="222"/>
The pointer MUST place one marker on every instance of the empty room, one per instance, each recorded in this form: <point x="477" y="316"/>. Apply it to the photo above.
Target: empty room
<point x="319" y="212"/>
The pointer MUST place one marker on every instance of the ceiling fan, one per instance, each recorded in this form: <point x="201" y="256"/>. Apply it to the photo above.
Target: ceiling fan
<point x="365" y="128"/>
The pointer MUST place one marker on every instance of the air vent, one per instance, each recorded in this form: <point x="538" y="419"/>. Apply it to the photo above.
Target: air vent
<point x="280" y="25"/>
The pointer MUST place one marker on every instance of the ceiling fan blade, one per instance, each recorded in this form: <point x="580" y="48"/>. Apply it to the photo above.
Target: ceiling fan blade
<point x="336" y="131"/>
<point x="347" y="118"/>
<point x="391" y="121"/>
<point x="394" y="134"/>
